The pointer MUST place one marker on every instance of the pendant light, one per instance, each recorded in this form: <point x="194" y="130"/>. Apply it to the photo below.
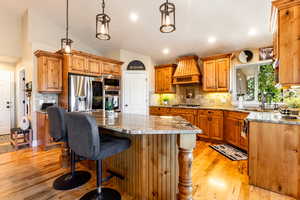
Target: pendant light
<point x="66" y="42"/>
<point x="102" y="25"/>
<point x="167" y="11"/>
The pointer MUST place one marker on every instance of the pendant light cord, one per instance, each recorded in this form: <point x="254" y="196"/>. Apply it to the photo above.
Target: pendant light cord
<point x="103" y="6"/>
<point x="67" y="20"/>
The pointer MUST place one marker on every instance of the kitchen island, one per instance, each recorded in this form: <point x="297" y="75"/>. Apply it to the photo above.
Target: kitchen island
<point x="158" y="164"/>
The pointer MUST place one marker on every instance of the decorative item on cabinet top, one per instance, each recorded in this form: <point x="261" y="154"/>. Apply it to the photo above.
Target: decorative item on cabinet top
<point x="187" y="70"/>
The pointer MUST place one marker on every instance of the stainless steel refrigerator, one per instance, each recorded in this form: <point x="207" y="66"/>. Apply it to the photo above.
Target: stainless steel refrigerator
<point x="80" y="93"/>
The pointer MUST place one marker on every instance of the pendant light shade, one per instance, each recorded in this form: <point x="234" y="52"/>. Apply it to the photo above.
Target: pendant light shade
<point x="66" y="43"/>
<point x="102" y="25"/>
<point x="167" y="11"/>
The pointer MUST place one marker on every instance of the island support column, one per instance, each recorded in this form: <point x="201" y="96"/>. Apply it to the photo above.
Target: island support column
<point x="186" y="144"/>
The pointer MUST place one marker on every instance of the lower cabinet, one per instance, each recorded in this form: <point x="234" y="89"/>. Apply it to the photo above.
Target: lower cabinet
<point x="233" y="129"/>
<point x="211" y="123"/>
<point x="45" y="141"/>
<point x="217" y="125"/>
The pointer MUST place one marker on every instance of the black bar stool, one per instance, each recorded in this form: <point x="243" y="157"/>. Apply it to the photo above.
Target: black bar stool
<point x="84" y="140"/>
<point x="58" y="132"/>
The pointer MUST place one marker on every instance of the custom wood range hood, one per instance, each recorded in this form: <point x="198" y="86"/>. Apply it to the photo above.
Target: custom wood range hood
<point x="187" y="71"/>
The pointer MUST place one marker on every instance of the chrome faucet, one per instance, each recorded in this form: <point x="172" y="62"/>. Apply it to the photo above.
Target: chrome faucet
<point x="263" y="101"/>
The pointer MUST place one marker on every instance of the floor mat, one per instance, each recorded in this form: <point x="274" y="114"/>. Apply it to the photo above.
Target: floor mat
<point x="230" y="152"/>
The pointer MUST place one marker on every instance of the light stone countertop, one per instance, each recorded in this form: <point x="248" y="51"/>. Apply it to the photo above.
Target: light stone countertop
<point x="225" y="108"/>
<point x="271" y="117"/>
<point x="145" y="124"/>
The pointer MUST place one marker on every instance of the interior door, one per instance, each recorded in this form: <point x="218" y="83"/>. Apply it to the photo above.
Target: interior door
<point x="135" y="93"/>
<point x="5" y="102"/>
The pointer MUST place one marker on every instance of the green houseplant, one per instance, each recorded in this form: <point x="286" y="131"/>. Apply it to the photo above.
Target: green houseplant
<point x="266" y="84"/>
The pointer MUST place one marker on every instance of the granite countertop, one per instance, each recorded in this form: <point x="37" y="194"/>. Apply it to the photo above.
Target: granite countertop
<point x="225" y="108"/>
<point x="271" y="117"/>
<point x="145" y="124"/>
<point x="42" y="111"/>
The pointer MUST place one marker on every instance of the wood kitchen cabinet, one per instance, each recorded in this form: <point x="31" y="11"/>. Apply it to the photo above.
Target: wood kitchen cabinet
<point x="287" y="41"/>
<point x="233" y="127"/>
<point x="187" y="114"/>
<point x="78" y="64"/>
<point x="113" y="69"/>
<point x="274" y="157"/>
<point x="216" y="73"/>
<point x="94" y="67"/>
<point x="163" y="79"/>
<point x="49" y="67"/>
<point x="211" y="122"/>
<point x="45" y="141"/>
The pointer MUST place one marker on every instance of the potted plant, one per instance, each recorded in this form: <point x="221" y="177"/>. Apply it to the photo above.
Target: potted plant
<point x="165" y="100"/>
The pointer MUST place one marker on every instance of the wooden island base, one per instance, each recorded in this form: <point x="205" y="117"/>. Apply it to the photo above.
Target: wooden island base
<point x="155" y="167"/>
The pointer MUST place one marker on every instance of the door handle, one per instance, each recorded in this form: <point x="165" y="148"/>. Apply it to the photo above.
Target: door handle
<point x="126" y="105"/>
<point x="7" y="102"/>
<point x="7" y="107"/>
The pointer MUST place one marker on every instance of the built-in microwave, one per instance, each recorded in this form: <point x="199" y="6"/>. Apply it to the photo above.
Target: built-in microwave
<point x="111" y="82"/>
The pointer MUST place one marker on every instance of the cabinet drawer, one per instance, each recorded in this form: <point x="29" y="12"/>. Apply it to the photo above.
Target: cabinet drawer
<point x="183" y="111"/>
<point x="159" y="111"/>
<point x="211" y="112"/>
<point x="236" y="115"/>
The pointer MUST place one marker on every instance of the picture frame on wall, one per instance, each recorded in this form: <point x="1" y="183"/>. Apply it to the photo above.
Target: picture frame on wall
<point x="266" y="53"/>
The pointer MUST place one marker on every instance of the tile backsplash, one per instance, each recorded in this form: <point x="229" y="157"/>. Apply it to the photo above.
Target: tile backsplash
<point x="200" y="97"/>
<point x="45" y="98"/>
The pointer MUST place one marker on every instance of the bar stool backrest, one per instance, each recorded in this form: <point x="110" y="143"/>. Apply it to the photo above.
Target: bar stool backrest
<point x="83" y="135"/>
<point x="57" y="125"/>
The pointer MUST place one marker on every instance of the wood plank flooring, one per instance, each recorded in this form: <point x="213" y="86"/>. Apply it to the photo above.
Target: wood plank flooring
<point x="28" y="175"/>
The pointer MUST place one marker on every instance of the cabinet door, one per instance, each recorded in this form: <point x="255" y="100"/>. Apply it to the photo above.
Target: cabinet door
<point x="53" y="74"/>
<point x="231" y="131"/>
<point x="289" y="45"/>
<point x="188" y="116"/>
<point x="222" y="66"/>
<point x="78" y="63"/>
<point x="159" y="80"/>
<point x="203" y="125"/>
<point x="243" y="138"/>
<point x="108" y="68"/>
<point x="209" y="82"/>
<point x="215" y="127"/>
<point x="94" y="66"/>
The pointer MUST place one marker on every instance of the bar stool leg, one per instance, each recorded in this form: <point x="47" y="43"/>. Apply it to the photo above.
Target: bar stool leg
<point x="101" y="193"/>
<point x="73" y="179"/>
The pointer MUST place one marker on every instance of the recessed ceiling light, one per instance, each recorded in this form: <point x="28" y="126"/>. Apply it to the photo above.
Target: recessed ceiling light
<point x="252" y="32"/>
<point x="212" y="40"/>
<point x="166" y="51"/>
<point x="133" y="17"/>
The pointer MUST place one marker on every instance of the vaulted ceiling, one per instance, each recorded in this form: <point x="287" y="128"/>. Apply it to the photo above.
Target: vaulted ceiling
<point x="229" y="21"/>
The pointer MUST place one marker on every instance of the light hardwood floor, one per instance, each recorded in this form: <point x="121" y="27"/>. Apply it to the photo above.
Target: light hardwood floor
<point x="28" y="174"/>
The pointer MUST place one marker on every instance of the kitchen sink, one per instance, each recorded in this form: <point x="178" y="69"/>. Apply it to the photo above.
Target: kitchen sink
<point x="259" y="110"/>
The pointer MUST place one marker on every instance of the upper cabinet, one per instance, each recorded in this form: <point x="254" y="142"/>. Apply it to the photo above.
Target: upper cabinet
<point x="163" y="79"/>
<point x="216" y="73"/>
<point x="287" y="41"/>
<point x="49" y="72"/>
<point x="88" y="64"/>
